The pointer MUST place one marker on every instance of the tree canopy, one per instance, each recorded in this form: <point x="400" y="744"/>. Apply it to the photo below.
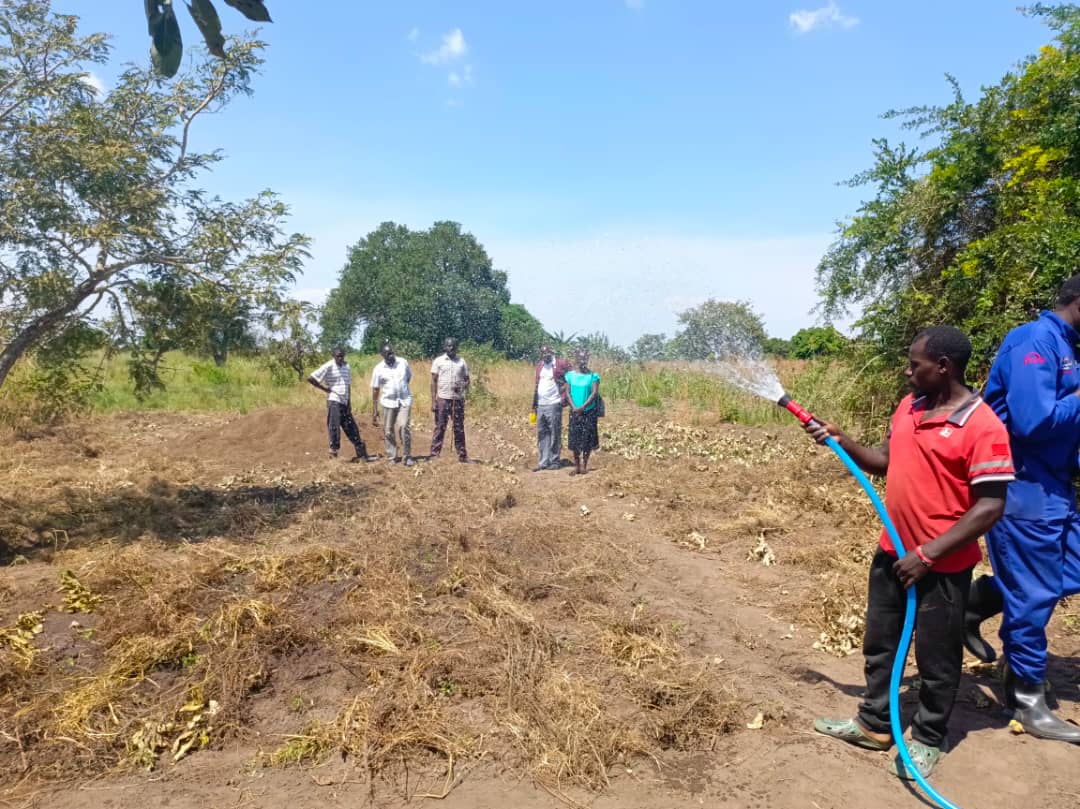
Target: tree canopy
<point x="981" y="226"/>
<point x="817" y="341"/>
<point x="100" y="206"/>
<point x="715" y="328"/>
<point x="422" y="287"/>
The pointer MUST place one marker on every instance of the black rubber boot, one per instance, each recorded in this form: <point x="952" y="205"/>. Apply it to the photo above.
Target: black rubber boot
<point x="1028" y="704"/>
<point x="984" y="601"/>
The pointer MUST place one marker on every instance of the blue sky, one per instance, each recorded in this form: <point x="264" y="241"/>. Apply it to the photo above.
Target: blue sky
<point x="621" y="160"/>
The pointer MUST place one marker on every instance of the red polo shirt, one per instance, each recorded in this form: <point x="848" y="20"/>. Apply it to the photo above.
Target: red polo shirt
<point x="933" y="466"/>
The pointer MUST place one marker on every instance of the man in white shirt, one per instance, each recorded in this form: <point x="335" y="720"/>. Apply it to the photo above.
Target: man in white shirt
<point x="449" y="382"/>
<point x="547" y="407"/>
<point x="390" y="393"/>
<point x="335" y="379"/>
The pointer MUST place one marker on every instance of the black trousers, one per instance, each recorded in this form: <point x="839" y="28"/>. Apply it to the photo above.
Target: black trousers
<point x="939" y="646"/>
<point x="449" y="410"/>
<point x="339" y="417"/>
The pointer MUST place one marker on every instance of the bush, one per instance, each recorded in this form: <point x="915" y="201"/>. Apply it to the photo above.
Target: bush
<point x="210" y="373"/>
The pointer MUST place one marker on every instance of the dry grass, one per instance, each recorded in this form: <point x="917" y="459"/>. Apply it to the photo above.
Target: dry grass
<point x="428" y="620"/>
<point x="449" y="623"/>
<point x="769" y="497"/>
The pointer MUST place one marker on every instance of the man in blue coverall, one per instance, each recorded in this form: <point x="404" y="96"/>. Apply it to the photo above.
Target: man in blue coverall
<point x="1035" y="547"/>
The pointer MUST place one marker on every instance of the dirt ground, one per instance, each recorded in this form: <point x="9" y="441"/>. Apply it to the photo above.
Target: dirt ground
<point x="710" y="558"/>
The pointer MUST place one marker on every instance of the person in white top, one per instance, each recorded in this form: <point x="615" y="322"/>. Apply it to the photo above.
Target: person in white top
<point x="449" y="382"/>
<point x="390" y="393"/>
<point x="335" y="379"/>
<point x="547" y="407"/>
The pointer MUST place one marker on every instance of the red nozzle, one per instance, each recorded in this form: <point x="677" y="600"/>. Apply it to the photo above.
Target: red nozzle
<point x="796" y="410"/>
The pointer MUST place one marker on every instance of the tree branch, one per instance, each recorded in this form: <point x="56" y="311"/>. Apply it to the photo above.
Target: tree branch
<point x="215" y="91"/>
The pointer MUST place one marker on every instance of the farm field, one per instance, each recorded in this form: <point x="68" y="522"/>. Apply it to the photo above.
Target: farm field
<point x="202" y="610"/>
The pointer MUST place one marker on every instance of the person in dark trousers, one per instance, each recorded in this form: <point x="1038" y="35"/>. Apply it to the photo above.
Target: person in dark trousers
<point x="947" y="465"/>
<point x="334" y="378"/>
<point x="582" y="391"/>
<point x="449" y="384"/>
<point x="1034" y="387"/>
<point x="547" y="406"/>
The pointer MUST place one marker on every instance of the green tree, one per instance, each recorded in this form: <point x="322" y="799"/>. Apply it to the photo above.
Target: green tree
<point x="719" y="328"/>
<point x="777" y="347"/>
<point x="98" y="196"/>
<point x="424" y="286"/>
<point x="160" y="308"/>
<point x="222" y="324"/>
<point x="291" y="345"/>
<point x="649" y="347"/>
<point x="981" y="226"/>
<point x="600" y="346"/>
<point x="817" y="341"/>
<point x="199" y="317"/>
<point x="563" y="344"/>
<point x="520" y="334"/>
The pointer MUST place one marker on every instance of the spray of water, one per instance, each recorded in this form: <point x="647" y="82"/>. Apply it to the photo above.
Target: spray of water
<point x="740" y="362"/>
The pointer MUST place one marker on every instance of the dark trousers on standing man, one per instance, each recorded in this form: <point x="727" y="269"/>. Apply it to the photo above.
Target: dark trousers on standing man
<point x="339" y="417"/>
<point x="445" y="409"/>
<point x="939" y="649"/>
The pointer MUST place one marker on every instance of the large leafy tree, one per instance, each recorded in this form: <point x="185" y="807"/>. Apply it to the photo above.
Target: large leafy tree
<point x="718" y="328"/>
<point x="980" y="226"/>
<point x="99" y="198"/>
<point x="520" y="334"/>
<point x="424" y="286"/>
<point x="817" y="341"/>
<point x="649" y="347"/>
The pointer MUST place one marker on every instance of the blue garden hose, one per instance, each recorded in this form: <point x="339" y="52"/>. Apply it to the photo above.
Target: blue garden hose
<point x="905" y="636"/>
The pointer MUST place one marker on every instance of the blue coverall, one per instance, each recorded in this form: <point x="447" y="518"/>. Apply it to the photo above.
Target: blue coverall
<point x="1035" y="547"/>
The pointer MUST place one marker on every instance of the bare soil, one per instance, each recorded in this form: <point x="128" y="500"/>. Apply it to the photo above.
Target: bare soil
<point x="466" y="635"/>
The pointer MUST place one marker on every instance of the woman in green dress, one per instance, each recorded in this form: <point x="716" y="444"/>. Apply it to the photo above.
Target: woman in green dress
<point x="583" y="391"/>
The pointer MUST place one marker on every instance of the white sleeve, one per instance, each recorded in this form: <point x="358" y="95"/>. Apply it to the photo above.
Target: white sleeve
<point x="319" y="374"/>
<point x="408" y="372"/>
<point x="375" y="375"/>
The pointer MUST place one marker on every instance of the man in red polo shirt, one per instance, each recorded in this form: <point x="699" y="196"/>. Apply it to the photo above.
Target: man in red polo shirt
<point x="947" y="464"/>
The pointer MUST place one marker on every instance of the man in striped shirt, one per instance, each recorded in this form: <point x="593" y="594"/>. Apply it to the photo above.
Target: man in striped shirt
<point x="335" y="379"/>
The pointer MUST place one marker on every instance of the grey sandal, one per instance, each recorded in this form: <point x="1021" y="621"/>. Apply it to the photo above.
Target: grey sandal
<point x="924" y="757"/>
<point x="850" y="731"/>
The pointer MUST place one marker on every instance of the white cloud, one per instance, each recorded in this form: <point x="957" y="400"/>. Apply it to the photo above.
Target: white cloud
<point x="830" y="16"/>
<point x="635" y="4"/>
<point x="453" y="48"/>
<point x="94" y="82"/>
<point x="413" y="35"/>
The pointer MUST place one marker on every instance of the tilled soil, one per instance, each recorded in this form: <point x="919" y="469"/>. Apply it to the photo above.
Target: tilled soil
<point x="673" y="525"/>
